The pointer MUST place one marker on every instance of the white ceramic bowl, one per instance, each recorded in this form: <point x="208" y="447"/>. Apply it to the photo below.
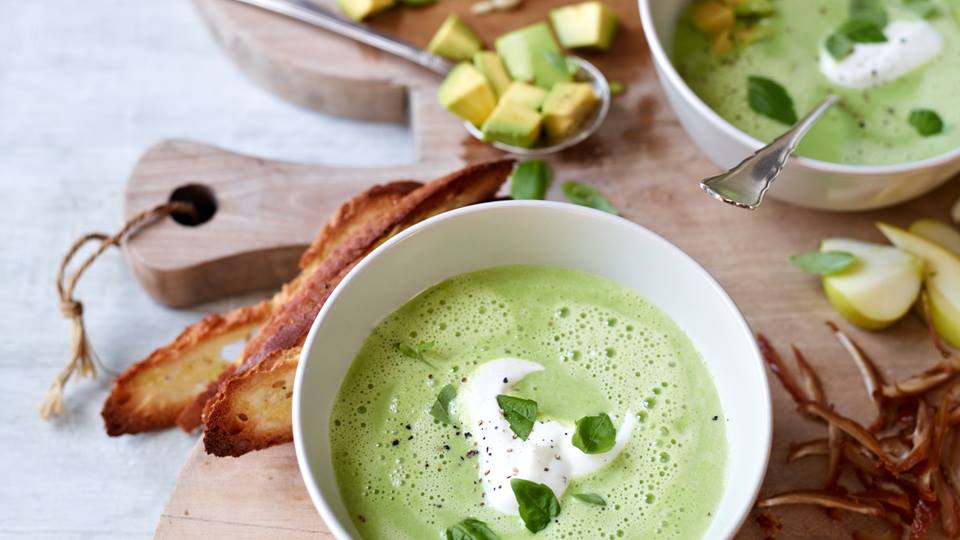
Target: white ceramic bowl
<point x="543" y="233"/>
<point x="806" y="182"/>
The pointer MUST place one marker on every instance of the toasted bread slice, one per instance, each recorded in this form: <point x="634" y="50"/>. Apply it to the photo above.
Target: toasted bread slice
<point x="288" y="326"/>
<point x="151" y="393"/>
<point x="159" y="390"/>
<point x="253" y="410"/>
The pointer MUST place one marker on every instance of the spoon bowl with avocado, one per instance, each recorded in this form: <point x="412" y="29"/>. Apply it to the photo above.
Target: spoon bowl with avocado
<point x="526" y="98"/>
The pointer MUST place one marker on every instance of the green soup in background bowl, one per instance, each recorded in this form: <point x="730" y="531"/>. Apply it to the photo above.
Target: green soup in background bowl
<point x="528" y="286"/>
<point x="866" y="153"/>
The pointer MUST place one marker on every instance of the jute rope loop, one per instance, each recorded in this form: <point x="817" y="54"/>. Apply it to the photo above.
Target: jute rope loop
<point x="83" y="359"/>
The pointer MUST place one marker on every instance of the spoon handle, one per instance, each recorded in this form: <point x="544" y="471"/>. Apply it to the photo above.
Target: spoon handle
<point x="745" y="184"/>
<point x="310" y="13"/>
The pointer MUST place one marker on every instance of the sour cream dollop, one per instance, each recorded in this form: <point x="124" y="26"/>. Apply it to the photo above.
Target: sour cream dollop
<point x="909" y="45"/>
<point x="547" y="456"/>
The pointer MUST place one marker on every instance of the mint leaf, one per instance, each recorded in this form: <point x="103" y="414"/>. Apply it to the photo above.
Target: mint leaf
<point x="530" y="180"/>
<point x="471" y="529"/>
<point x="839" y="45"/>
<point x="871" y="10"/>
<point x="590" y="498"/>
<point x="595" y="434"/>
<point x="926" y="122"/>
<point x="824" y="263"/>
<point x="538" y="505"/>
<point x="768" y="98"/>
<point x="587" y="195"/>
<point x="862" y="30"/>
<point x="417" y="353"/>
<point x="923" y="8"/>
<point x="441" y="406"/>
<point x="520" y="414"/>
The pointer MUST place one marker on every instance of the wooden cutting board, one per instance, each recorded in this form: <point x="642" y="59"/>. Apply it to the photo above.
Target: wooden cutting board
<point x="644" y="162"/>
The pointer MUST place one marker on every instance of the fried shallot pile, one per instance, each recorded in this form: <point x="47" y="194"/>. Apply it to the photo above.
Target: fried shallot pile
<point x="905" y="465"/>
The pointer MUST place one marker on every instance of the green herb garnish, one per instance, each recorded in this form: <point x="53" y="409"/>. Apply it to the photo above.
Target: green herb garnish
<point x="923" y="8"/>
<point x="530" y="180"/>
<point x="839" y="45"/>
<point x="441" y="407"/>
<point x="824" y="263"/>
<point x="871" y="10"/>
<point x="538" y="505"/>
<point x="590" y="498"/>
<point x="595" y="434"/>
<point x="418" y="352"/>
<point x="864" y="25"/>
<point x="587" y="195"/>
<point x="768" y="98"/>
<point x="926" y="122"/>
<point x="520" y="414"/>
<point x="471" y="529"/>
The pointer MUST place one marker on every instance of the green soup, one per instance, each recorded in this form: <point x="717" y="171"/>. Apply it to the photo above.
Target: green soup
<point x="403" y="474"/>
<point x="871" y="126"/>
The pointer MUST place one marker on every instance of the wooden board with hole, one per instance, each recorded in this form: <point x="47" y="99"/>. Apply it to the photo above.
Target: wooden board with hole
<point x="261" y="495"/>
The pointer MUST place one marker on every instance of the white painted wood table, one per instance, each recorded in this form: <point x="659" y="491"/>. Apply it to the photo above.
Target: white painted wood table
<point x="84" y="89"/>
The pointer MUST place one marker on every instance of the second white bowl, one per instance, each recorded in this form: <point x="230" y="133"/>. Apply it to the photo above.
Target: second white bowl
<point x="805" y="182"/>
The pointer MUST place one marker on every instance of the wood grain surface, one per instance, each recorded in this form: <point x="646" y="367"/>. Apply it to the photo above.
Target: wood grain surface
<point x="641" y="159"/>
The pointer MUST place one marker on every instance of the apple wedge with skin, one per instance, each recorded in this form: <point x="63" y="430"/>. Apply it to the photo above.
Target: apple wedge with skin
<point x="938" y="232"/>
<point x="879" y="289"/>
<point x="941" y="279"/>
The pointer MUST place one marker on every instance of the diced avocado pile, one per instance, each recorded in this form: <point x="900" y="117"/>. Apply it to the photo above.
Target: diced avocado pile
<point x="525" y="88"/>
<point x="732" y="22"/>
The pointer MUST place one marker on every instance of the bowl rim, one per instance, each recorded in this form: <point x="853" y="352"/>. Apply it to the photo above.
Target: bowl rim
<point x="765" y="431"/>
<point x="667" y="69"/>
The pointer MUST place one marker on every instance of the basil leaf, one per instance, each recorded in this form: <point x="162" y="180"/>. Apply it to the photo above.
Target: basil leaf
<point x="923" y="8"/>
<point x="538" y="505"/>
<point x="839" y="46"/>
<point x="441" y="406"/>
<point x="530" y="180"/>
<point x="824" y="263"/>
<point x="590" y="498"/>
<point x="417" y="353"/>
<point x="871" y="10"/>
<point x="520" y="414"/>
<point x="926" y="122"/>
<point x="768" y="98"/>
<point x="471" y="529"/>
<point x="595" y="434"/>
<point x="862" y="30"/>
<point x="587" y="195"/>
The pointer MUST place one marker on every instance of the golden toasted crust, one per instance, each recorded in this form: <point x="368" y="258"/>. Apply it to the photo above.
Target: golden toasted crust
<point x="350" y="217"/>
<point x="253" y="410"/>
<point x="151" y="393"/>
<point x="160" y="389"/>
<point x="288" y="326"/>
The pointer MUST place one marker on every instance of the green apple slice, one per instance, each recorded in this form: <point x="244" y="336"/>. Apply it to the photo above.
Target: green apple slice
<point x="879" y="289"/>
<point x="941" y="278"/>
<point x="938" y="232"/>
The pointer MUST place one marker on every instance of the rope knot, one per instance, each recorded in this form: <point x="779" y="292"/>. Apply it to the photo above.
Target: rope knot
<point x="71" y="309"/>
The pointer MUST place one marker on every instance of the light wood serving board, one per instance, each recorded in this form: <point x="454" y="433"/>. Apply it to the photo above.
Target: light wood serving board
<point x="268" y="210"/>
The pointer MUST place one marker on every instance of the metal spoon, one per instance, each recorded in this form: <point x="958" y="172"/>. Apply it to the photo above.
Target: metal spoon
<point x="744" y="185"/>
<point x="310" y="13"/>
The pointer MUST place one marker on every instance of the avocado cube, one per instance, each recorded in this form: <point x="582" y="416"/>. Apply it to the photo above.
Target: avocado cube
<point x="532" y="55"/>
<point x="361" y="9"/>
<point x="566" y="107"/>
<point x="514" y="124"/>
<point x="587" y="25"/>
<point x="454" y="40"/>
<point x="489" y="63"/>
<point x="466" y="93"/>
<point x="528" y="95"/>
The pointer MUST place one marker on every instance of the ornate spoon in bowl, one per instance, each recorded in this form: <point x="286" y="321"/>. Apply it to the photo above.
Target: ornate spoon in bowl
<point x="744" y="185"/>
